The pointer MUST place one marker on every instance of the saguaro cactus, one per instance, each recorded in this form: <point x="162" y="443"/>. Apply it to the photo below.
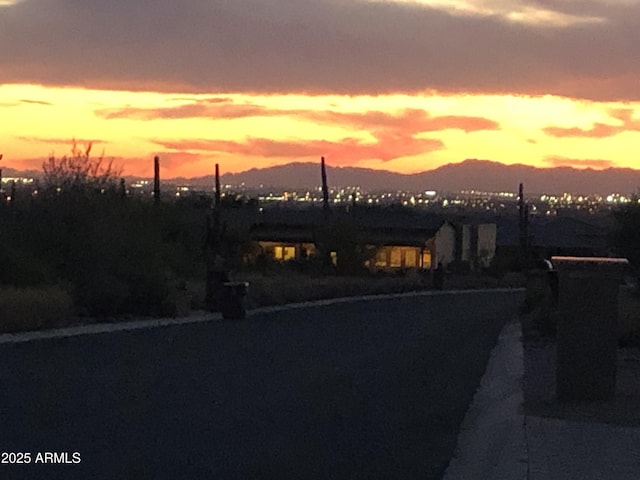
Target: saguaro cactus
<point x="217" y="185"/>
<point x="325" y="188"/>
<point x="122" y="191"/>
<point x="217" y="274"/>
<point x="156" y="179"/>
<point x="523" y="224"/>
<point x="324" y="235"/>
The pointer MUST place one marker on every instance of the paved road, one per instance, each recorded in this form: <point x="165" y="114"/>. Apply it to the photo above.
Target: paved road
<point x="358" y="390"/>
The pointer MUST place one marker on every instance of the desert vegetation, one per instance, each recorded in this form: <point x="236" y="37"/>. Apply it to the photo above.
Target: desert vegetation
<point x="83" y="249"/>
<point x="538" y="311"/>
<point x="626" y="234"/>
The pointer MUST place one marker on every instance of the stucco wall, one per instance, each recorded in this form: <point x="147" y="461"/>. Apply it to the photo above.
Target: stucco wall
<point x="487" y="234"/>
<point x="466" y="243"/>
<point x="445" y="245"/>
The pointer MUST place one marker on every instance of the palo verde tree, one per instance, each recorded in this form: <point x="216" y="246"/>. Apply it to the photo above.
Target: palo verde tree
<point x="80" y="171"/>
<point x="115" y="256"/>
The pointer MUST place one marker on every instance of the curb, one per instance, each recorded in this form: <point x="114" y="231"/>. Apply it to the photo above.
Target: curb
<point x="201" y="317"/>
<point x="492" y="441"/>
<point x="380" y="296"/>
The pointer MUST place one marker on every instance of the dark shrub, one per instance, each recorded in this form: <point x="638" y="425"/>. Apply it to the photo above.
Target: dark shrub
<point x="20" y="268"/>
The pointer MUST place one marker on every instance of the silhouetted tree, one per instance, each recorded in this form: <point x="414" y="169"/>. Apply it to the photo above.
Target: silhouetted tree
<point x="626" y="234"/>
<point x="79" y="171"/>
<point x="342" y="237"/>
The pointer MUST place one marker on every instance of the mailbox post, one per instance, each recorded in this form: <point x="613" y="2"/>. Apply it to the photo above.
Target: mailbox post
<point x="586" y="335"/>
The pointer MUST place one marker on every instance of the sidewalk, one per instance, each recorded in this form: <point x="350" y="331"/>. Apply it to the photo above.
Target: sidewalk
<point x="499" y="440"/>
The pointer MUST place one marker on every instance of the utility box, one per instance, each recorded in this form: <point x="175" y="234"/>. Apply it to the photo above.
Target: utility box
<point x="587" y="333"/>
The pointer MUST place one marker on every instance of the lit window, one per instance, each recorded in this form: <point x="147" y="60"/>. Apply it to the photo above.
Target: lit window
<point x="284" y="253"/>
<point x="396" y="258"/>
<point x="426" y="259"/>
<point x="410" y="258"/>
<point x="288" y="253"/>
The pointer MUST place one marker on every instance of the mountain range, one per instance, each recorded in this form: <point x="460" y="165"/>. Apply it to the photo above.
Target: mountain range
<point x="472" y="174"/>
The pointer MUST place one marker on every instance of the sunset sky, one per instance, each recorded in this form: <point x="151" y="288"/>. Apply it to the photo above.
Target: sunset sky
<point x="401" y="85"/>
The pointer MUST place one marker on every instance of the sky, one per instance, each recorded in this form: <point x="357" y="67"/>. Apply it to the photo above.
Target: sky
<point x="400" y="85"/>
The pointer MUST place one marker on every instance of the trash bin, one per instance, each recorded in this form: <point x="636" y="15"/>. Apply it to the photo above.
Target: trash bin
<point x="438" y="277"/>
<point x="586" y="338"/>
<point x="232" y="304"/>
<point x="215" y="290"/>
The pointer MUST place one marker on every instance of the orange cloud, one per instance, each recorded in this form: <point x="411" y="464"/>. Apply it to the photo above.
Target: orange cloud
<point x="409" y="120"/>
<point x="346" y="151"/>
<point x="598" y="164"/>
<point x="216" y="107"/>
<point x="62" y="141"/>
<point x="413" y="120"/>
<point x="600" y="130"/>
<point x="395" y="133"/>
<point x="176" y="161"/>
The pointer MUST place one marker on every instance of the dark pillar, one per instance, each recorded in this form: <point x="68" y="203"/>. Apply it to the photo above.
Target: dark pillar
<point x="587" y="333"/>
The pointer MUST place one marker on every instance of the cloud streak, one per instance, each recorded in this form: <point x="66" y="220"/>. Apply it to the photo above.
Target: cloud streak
<point x="625" y="123"/>
<point x="408" y="120"/>
<point x="396" y="135"/>
<point x="81" y="142"/>
<point x="218" y="107"/>
<point x="578" y="49"/>
<point x="598" y="164"/>
<point x="36" y="102"/>
<point x="347" y="151"/>
<point x="545" y="14"/>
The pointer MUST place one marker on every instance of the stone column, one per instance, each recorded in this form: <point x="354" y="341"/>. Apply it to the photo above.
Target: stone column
<point x="587" y="327"/>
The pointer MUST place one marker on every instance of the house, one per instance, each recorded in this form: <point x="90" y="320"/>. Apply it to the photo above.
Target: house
<point x="401" y="238"/>
<point x="284" y="242"/>
<point x="286" y="234"/>
<point x="412" y="248"/>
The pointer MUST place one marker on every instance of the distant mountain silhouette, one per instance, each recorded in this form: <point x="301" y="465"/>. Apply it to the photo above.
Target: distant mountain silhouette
<point x="12" y="172"/>
<point x="307" y="175"/>
<point x="472" y="174"/>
